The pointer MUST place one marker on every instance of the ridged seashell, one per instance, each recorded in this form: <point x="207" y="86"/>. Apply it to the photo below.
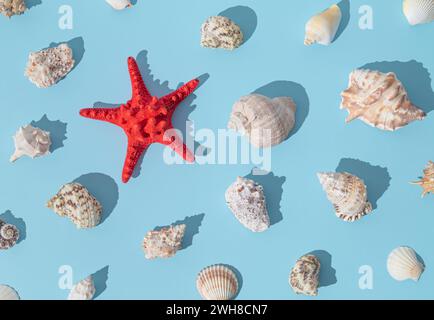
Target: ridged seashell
<point x="48" y="66"/>
<point x="84" y="290"/>
<point x="418" y="11"/>
<point x="163" y="243"/>
<point x="266" y="122"/>
<point x="304" y="277"/>
<point x="119" y="4"/>
<point x="221" y="32"/>
<point x="8" y="293"/>
<point x="427" y="182"/>
<point x="246" y="200"/>
<point x="10" y="8"/>
<point x="379" y="99"/>
<point x="217" y="282"/>
<point x="322" y="28"/>
<point x="403" y="264"/>
<point x="9" y="235"/>
<point x="75" y="202"/>
<point x="347" y="193"/>
<point x="32" y="142"/>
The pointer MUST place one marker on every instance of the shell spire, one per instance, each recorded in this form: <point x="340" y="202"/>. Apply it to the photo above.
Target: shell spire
<point x="322" y="28"/>
<point x="9" y="235"/>
<point x="427" y="182"/>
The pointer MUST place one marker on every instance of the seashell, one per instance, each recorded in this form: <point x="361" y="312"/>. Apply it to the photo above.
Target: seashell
<point x="322" y="28"/>
<point x="266" y="122"/>
<point x="221" y="32"/>
<point x="119" y="4"/>
<point x="49" y="66"/>
<point x="347" y="193"/>
<point x="427" y="182"/>
<point x="304" y="277"/>
<point x="403" y="264"/>
<point x="10" y="8"/>
<point x="9" y="235"/>
<point x="163" y="243"/>
<point x="418" y="11"/>
<point x="32" y="142"/>
<point x="379" y="99"/>
<point x="75" y="202"/>
<point x="246" y="200"/>
<point x="8" y="293"/>
<point x="217" y="282"/>
<point x="84" y="290"/>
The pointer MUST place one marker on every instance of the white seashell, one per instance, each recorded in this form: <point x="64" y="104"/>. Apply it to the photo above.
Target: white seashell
<point x="9" y="235"/>
<point x="8" y="293"/>
<point x="347" y="193"/>
<point x="418" y="11"/>
<point x="32" y="142"/>
<point x="163" y="243"/>
<point x="246" y="200"/>
<point x="266" y="122"/>
<point x="322" y="28"/>
<point x="427" y="182"/>
<point x="74" y="201"/>
<point x="119" y="4"/>
<point x="221" y="32"/>
<point x="403" y="264"/>
<point x="379" y="99"/>
<point x="84" y="290"/>
<point x="48" y="66"/>
<point x="217" y="282"/>
<point x="10" y="8"/>
<point x="304" y="277"/>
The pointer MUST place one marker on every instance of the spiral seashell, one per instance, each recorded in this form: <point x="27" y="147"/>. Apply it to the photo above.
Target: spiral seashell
<point x="427" y="182"/>
<point x="119" y="4"/>
<point x="418" y="11"/>
<point x="9" y="235"/>
<point x="304" y="277"/>
<point x="164" y="243"/>
<point x="403" y="264"/>
<point x="84" y="290"/>
<point x="32" y="142"/>
<point x="10" y="8"/>
<point x="221" y="32"/>
<point x="322" y="28"/>
<point x="217" y="282"/>
<point x="8" y="293"/>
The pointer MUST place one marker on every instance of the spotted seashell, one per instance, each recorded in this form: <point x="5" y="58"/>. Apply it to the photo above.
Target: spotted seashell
<point x="9" y="235"/>
<point x="84" y="290"/>
<point x="403" y="264"/>
<point x="304" y="277"/>
<point x="427" y="182"/>
<point x="217" y="282"/>
<point x="221" y="32"/>
<point x="164" y="243"/>
<point x="10" y="8"/>
<point x="8" y="293"/>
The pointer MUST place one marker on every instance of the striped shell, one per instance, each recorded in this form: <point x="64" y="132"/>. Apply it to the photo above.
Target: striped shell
<point x="9" y="235"/>
<point x="8" y="293"/>
<point x="84" y="290"/>
<point x="221" y="32"/>
<point x="304" y="277"/>
<point x="427" y="182"/>
<point x="217" y="282"/>
<point x="163" y="243"/>
<point x="418" y="11"/>
<point x="322" y="28"/>
<point x="10" y="8"/>
<point x="403" y="264"/>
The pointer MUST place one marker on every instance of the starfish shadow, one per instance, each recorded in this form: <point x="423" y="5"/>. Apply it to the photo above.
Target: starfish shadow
<point x="32" y="3"/>
<point x="100" y="279"/>
<point x="244" y="17"/>
<point x="57" y="130"/>
<point x="327" y="274"/>
<point x="9" y="218"/>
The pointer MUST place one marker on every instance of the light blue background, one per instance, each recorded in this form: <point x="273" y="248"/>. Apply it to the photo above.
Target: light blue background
<point x="161" y="195"/>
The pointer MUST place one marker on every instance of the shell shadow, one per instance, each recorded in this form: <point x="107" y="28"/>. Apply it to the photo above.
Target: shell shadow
<point x="415" y="78"/>
<point x="57" y="129"/>
<point x="100" y="279"/>
<point x="239" y="277"/>
<point x="245" y="17"/>
<point x="9" y="218"/>
<point x="273" y="190"/>
<point x="32" y="3"/>
<point x="103" y="188"/>
<point x="376" y="178"/>
<point x="327" y="274"/>
<point x="344" y="5"/>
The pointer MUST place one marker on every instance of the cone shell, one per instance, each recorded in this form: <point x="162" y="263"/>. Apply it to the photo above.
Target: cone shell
<point x="322" y="28"/>
<point x="84" y="290"/>
<point x="427" y="182"/>
<point x="221" y="32"/>
<point x="10" y="8"/>
<point x="8" y="293"/>
<point x="217" y="282"/>
<point x="32" y="142"/>
<point x="164" y="243"/>
<point x="403" y="264"/>
<point x="304" y="277"/>
<point x="418" y="11"/>
<point x="119" y="4"/>
<point x="380" y="100"/>
<point x="9" y="235"/>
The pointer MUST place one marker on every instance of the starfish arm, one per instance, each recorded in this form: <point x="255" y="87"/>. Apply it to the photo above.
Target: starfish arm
<point x="139" y="91"/>
<point x="173" y="99"/>
<point x="134" y="152"/>
<point x="103" y="114"/>
<point x="176" y="144"/>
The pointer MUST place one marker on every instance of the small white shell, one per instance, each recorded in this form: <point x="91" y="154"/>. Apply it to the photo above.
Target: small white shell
<point x="322" y="28"/>
<point x="9" y="235"/>
<point x="32" y="142"/>
<point x="403" y="264"/>
<point x="163" y="243"/>
<point x="418" y="11"/>
<point x="217" y="282"/>
<point x="304" y="277"/>
<point x="221" y="32"/>
<point x="84" y="290"/>
<point x="119" y="4"/>
<point x="8" y="293"/>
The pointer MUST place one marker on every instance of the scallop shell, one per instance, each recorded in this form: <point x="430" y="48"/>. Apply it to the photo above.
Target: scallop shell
<point x="403" y="264"/>
<point x="74" y="201"/>
<point x="379" y="99"/>
<point x="8" y="293"/>
<point x="347" y="193"/>
<point x="322" y="28"/>
<point x="32" y="142"/>
<point x="9" y="235"/>
<point x="217" y="282"/>
<point x="246" y="200"/>
<point x="427" y="182"/>
<point x="304" y="277"/>
<point x="10" y="8"/>
<point x="119" y="4"/>
<point x="84" y="290"/>
<point x="49" y="66"/>
<point x="418" y="11"/>
<point x="221" y="32"/>
<point x="164" y="243"/>
<point x="266" y="122"/>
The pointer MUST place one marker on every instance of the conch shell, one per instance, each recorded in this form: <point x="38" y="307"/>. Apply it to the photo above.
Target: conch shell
<point x="119" y="4"/>
<point x="418" y="11"/>
<point x="322" y="28"/>
<point x="32" y="142"/>
<point x="427" y="182"/>
<point x="217" y="282"/>
<point x="221" y="32"/>
<point x="304" y="277"/>
<point x="380" y="100"/>
<point x="10" y="8"/>
<point x="266" y="122"/>
<point x="9" y="235"/>
<point x="164" y="243"/>
<point x="84" y="290"/>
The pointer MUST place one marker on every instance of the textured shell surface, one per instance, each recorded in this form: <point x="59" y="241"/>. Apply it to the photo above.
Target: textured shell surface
<point x="164" y="243"/>
<point x="221" y="32"/>
<point x="347" y="193"/>
<point x="217" y="282"/>
<point x="418" y="11"/>
<point x="322" y="28"/>
<point x="266" y="122"/>
<point x="10" y="8"/>
<point x="246" y="200"/>
<point x="75" y="202"/>
<point x="119" y="4"/>
<point x="403" y="264"/>
<point x="379" y="99"/>
<point x="48" y="66"/>
<point x="8" y="293"/>
<point x="427" y="182"/>
<point x="304" y="277"/>
<point x="9" y="235"/>
<point x="32" y="142"/>
<point x="84" y="290"/>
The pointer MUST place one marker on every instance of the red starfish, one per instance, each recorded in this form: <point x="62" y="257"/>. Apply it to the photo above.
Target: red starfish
<point x="145" y="119"/>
